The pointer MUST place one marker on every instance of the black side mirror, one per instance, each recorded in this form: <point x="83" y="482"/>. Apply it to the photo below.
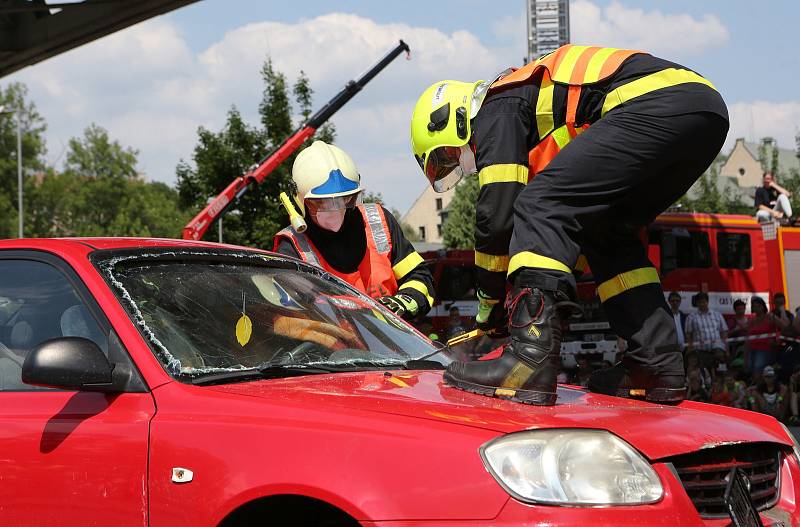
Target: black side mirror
<point x="73" y="363"/>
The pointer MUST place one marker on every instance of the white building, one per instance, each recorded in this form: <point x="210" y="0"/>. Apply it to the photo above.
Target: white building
<point x="548" y="26"/>
<point x="425" y="216"/>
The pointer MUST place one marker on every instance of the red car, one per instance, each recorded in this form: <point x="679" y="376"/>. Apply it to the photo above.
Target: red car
<point x="160" y="382"/>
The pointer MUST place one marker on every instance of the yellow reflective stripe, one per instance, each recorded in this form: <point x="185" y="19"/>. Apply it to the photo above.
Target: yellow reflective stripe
<point x="418" y="286"/>
<point x="626" y="281"/>
<point x="406" y="265"/>
<point x="529" y="259"/>
<point x="649" y="83"/>
<point x="564" y="70"/>
<point x="596" y="64"/>
<point x="491" y="262"/>
<point x="510" y="173"/>
<point x="544" y="107"/>
<point x="561" y="136"/>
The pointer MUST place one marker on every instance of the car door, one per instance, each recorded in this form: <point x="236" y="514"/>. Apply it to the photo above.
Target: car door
<point x="66" y="458"/>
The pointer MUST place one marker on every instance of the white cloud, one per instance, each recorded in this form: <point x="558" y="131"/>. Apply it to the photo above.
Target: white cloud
<point x="665" y="35"/>
<point x="756" y="119"/>
<point x="151" y="92"/>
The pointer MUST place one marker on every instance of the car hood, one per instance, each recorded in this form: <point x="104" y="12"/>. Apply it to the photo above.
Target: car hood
<point x="656" y="430"/>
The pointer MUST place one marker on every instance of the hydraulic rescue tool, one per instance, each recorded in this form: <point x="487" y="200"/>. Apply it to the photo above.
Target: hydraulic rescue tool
<point x="196" y="228"/>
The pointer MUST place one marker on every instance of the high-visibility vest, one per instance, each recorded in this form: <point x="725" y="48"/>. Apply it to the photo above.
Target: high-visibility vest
<point x="374" y="275"/>
<point x="573" y="67"/>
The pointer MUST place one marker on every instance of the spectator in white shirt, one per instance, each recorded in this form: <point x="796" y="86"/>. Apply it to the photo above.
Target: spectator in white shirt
<point x="706" y="331"/>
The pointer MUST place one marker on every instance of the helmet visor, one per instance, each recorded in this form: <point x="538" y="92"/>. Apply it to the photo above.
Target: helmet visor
<point x="442" y="168"/>
<point x="315" y="205"/>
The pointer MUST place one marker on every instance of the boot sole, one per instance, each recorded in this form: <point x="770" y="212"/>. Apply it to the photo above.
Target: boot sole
<point x="519" y="396"/>
<point x="656" y="395"/>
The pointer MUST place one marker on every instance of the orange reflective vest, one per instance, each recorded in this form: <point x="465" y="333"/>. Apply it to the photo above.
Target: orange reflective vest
<point x="374" y="275"/>
<point x="572" y="66"/>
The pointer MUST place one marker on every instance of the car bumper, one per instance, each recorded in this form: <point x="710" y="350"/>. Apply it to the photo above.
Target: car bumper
<point x="675" y="508"/>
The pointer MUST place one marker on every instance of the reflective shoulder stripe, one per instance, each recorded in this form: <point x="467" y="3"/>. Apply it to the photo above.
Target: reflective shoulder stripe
<point x="649" y="83"/>
<point x="377" y="227"/>
<point x="581" y="65"/>
<point x="529" y="259"/>
<point x="511" y="173"/>
<point x="565" y="64"/>
<point x="626" y="281"/>
<point x="596" y="64"/>
<point x="302" y="245"/>
<point x="491" y="262"/>
<point x="544" y="107"/>
<point x="406" y="265"/>
<point x="562" y="136"/>
<point x="418" y="286"/>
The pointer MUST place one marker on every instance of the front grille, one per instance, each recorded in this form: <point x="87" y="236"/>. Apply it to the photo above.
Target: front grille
<point x="703" y="473"/>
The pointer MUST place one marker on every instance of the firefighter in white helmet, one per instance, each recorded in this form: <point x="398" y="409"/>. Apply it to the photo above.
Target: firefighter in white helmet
<point x="361" y="243"/>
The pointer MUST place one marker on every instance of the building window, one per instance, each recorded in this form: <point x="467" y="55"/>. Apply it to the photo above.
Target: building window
<point x="422" y="233"/>
<point x="439" y="229"/>
<point x="438" y="203"/>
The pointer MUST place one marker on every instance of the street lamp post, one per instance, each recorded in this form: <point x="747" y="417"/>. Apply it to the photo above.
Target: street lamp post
<point x="19" y="177"/>
<point x="19" y="166"/>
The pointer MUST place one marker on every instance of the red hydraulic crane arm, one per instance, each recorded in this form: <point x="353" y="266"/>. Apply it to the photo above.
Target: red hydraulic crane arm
<point x="196" y="228"/>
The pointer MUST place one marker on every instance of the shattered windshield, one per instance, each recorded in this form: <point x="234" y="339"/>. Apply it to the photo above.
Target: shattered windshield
<point x="205" y="313"/>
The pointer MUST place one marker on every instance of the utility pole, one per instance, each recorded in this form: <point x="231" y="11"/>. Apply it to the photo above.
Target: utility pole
<point x="19" y="176"/>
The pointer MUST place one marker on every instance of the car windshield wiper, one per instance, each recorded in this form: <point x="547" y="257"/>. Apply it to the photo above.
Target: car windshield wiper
<point x="266" y="371"/>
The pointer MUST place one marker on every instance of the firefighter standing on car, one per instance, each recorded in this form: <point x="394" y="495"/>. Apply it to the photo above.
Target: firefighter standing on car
<point x="363" y="244"/>
<point x="553" y="187"/>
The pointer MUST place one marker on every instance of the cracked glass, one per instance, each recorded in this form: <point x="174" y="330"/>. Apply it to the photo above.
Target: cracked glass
<point x="206" y="313"/>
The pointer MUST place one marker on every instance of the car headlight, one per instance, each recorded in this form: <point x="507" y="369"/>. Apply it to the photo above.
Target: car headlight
<point x="795" y="445"/>
<point x="571" y="467"/>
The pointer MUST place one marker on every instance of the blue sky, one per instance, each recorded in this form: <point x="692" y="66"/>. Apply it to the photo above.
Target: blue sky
<point x="152" y="85"/>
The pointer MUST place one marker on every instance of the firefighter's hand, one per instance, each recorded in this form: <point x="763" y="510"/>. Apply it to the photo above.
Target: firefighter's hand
<point x="492" y="317"/>
<point x="401" y="305"/>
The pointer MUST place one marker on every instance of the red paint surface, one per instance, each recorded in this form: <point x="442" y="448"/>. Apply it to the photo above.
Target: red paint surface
<point x="400" y="449"/>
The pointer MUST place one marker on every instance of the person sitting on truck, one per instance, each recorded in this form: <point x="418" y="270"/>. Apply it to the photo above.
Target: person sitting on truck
<point x="361" y="243"/>
<point x="772" y="201"/>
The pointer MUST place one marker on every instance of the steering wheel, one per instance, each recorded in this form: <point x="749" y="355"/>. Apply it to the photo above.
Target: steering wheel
<point x="299" y="354"/>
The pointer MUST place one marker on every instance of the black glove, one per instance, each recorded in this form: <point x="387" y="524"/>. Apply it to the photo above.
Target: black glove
<point x="492" y="317"/>
<point x="401" y="305"/>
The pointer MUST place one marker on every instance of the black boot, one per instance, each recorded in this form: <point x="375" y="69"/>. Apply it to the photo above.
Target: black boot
<point x="648" y="370"/>
<point x="526" y="371"/>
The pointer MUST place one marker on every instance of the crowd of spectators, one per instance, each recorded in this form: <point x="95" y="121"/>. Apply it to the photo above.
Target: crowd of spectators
<point x="750" y="360"/>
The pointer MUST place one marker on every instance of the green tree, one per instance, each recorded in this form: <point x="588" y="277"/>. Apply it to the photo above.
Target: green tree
<point x="96" y="156"/>
<point x="221" y="157"/>
<point x="100" y="194"/>
<point x="13" y="98"/>
<point x="459" y="227"/>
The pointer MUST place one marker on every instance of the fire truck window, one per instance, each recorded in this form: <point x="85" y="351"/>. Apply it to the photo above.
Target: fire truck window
<point x="733" y="250"/>
<point x="456" y="283"/>
<point x="691" y="249"/>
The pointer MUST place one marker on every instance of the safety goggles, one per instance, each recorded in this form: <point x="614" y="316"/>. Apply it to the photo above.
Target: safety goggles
<point x="443" y="168"/>
<point x="315" y="205"/>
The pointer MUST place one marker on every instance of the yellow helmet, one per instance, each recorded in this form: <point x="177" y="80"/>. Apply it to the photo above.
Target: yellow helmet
<point x="324" y="171"/>
<point x="441" y="129"/>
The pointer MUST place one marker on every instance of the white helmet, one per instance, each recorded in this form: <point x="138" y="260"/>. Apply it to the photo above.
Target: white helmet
<point x="324" y="171"/>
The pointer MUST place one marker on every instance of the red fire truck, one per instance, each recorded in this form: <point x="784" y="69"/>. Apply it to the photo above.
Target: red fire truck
<point x="728" y="256"/>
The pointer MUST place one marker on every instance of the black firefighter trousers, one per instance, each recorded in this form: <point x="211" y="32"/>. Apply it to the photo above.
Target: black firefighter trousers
<point x="594" y="198"/>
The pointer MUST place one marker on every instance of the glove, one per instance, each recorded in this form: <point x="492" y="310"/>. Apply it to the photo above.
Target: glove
<point x="492" y="317"/>
<point x="401" y="305"/>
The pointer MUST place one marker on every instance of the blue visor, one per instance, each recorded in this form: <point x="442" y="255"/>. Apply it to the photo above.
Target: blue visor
<point x="335" y="184"/>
